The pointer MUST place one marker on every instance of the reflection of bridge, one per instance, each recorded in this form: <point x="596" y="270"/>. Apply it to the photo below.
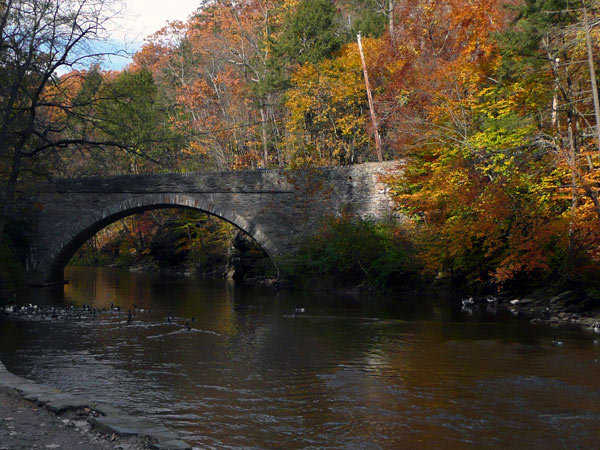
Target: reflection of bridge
<point x="275" y="207"/>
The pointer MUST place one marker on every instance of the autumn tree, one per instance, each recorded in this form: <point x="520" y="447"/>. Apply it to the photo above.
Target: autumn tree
<point x="501" y="172"/>
<point x="328" y="111"/>
<point x="214" y="68"/>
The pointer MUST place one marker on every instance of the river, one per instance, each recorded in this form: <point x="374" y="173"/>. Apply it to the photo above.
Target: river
<point x="356" y="374"/>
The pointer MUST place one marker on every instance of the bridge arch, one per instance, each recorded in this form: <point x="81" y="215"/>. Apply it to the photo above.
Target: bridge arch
<point x="86" y="226"/>
<point x="277" y="208"/>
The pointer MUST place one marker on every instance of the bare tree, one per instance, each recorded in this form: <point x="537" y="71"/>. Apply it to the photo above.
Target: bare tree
<point x="39" y="41"/>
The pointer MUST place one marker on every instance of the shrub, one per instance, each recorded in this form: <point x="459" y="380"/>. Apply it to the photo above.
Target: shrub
<point x="348" y="252"/>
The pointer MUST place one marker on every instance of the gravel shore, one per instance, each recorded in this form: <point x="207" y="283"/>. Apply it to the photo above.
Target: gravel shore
<point x="36" y="416"/>
<point x="26" y="426"/>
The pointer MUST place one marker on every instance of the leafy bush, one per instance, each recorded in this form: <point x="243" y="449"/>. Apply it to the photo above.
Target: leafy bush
<point x="348" y="252"/>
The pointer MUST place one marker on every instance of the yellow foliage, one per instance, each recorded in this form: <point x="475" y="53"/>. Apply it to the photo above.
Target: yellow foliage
<point x="328" y="110"/>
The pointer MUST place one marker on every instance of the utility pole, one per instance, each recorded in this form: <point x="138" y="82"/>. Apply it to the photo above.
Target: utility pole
<point x="370" y="98"/>
<point x="590" y="55"/>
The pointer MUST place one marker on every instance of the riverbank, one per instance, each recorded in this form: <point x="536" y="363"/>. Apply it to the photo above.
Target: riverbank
<point x="547" y="307"/>
<point x="25" y="426"/>
<point x="37" y="416"/>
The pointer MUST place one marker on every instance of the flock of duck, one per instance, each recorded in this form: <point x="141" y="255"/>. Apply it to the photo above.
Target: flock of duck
<point x="491" y="300"/>
<point x="85" y="312"/>
<point x="469" y="303"/>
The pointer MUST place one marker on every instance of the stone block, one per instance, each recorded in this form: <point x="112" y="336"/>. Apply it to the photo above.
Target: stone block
<point x="172" y="445"/>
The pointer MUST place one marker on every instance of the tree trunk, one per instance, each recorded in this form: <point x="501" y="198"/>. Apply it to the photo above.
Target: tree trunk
<point x="390" y="11"/>
<point x="371" y="105"/>
<point x="265" y="142"/>
<point x="590" y="58"/>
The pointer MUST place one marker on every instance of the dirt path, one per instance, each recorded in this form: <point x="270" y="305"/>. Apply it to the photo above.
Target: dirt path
<point x="25" y="426"/>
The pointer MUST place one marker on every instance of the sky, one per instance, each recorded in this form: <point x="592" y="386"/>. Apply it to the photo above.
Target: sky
<point x="141" y="18"/>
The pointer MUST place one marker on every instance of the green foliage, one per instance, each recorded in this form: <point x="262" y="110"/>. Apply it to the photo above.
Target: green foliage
<point x="163" y="240"/>
<point x="370" y="24"/>
<point x="131" y="113"/>
<point x="535" y="21"/>
<point x="364" y="16"/>
<point x="310" y="33"/>
<point x="90" y="258"/>
<point x="349" y="252"/>
<point x="126" y="260"/>
<point x="203" y="239"/>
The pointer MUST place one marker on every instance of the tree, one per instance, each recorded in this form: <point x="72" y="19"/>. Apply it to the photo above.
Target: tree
<point x="130" y="110"/>
<point x="328" y="111"/>
<point x="310" y="33"/>
<point x="552" y="38"/>
<point x="365" y="16"/>
<point x="214" y="71"/>
<point x="40" y="39"/>
<point x="501" y="174"/>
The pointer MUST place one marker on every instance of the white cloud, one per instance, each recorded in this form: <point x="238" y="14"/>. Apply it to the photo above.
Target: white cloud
<point x="144" y="17"/>
<point x="139" y="19"/>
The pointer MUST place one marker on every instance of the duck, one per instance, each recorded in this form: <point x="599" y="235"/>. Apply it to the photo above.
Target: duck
<point x="491" y="299"/>
<point x="468" y="301"/>
<point x="299" y="309"/>
<point x="468" y="310"/>
<point x="515" y="302"/>
<point x="556" y="341"/>
<point x="596" y="328"/>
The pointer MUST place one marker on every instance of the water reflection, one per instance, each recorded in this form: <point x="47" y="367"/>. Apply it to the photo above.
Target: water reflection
<point x="376" y="374"/>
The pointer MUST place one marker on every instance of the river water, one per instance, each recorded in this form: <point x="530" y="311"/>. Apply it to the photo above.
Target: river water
<point x="355" y="374"/>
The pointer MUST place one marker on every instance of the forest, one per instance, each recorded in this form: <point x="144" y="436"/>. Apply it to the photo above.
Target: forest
<point x="490" y="107"/>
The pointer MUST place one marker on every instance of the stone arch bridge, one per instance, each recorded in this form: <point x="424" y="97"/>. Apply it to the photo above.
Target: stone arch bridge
<point x="275" y="207"/>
